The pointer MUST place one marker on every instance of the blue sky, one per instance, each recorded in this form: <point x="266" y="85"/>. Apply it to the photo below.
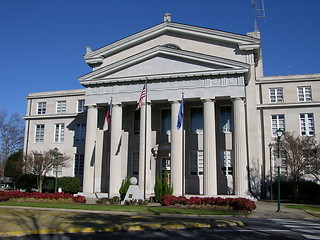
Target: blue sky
<point x="42" y="42"/>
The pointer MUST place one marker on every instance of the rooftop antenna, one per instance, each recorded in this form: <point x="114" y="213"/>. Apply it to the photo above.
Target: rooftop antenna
<point x="259" y="12"/>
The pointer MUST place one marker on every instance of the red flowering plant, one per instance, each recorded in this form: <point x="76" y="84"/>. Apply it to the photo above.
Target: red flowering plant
<point x="6" y="195"/>
<point x="241" y="204"/>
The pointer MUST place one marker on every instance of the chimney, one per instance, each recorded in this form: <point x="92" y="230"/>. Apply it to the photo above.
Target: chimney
<point x="167" y="17"/>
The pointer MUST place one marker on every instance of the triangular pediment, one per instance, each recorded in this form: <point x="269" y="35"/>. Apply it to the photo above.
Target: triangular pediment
<point x="163" y="62"/>
<point x="242" y="41"/>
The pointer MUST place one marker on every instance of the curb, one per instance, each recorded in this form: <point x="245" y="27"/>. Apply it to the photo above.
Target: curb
<point x="116" y="228"/>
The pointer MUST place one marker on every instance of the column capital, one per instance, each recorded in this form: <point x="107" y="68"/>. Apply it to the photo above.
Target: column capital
<point x="208" y="99"/>
<point x="237" y="99"/>
<point x="92" y="106"/>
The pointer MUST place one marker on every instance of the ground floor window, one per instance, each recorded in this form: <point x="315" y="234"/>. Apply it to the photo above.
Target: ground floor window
<point x="226" y="163"/>
<point x="196" y="163"/>
<point x="79" y="165"/>
<point x="135" y="164"/>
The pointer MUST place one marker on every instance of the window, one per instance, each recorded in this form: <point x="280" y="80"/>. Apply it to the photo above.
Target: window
<point x="56" y="170"/>
<point x="79" y="165"/>
<point x="61" y="106"/>
<point x="81" y="107"/>
<point x="42" y="106"/>
<point x="59" y="132"/>
<point x="196" y="120"/>
<point x="196" y="163"/>
<point x="136" y="122"/>
<point x="165" y="120"/>
<point x="166" y="165"/>
<point x="304" y="94"/>
<point x="277" y="122"/>
<point x="306" y="124"/>
<point x="276" y="95"/>
<point x="39" y="136"/>
<point x="226" y="163"/>
<point x="225" y="119"/>
<point x="135" y="164"/>
<point x="80" y="134"/>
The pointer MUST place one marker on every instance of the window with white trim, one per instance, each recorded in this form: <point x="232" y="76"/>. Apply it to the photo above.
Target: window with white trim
<point x="276" y="95"/>
<point x="226" y="163"/>
<point x="306" y="124"/>
<point x="166" y="166"/>
<point x="80" y="134"/>
<point x="165" y="120"/>
<point x="78" y="165"/>
<point x="196" y="119"/>
<point x="225" y="119"/>
<point x="135" y="164"/>
<point x="196" y="163"/>
<point x="81" y="107"/>
<point x="42" y="107"/>
<point x="59" y="132"/>
<point x="61" y="106"/>
<point x="277" y="122"/>
<point x="304" y="94"/>
<point x="39" y="133"/>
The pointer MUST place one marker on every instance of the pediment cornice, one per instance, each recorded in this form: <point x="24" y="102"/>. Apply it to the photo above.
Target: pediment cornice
<point x="245" y="43"/>
<point x="225" y="66"/>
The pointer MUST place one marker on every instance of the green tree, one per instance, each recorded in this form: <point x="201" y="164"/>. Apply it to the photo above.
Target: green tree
<point x="124" y="187"/>
<point x="14" y="165"/>
<point x="163" y="186"/>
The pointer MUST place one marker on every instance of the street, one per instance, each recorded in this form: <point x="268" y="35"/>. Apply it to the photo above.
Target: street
<point x="253" y="229"/>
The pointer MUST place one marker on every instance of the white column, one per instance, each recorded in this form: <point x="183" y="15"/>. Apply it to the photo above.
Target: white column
<point x="145" y="141"/>
<point x="176" y="151"/>
<point x="240" y="148"/>
<point x="209" y="149"/>
<point x="115" y="150"/>
<point x="89" y="157"/>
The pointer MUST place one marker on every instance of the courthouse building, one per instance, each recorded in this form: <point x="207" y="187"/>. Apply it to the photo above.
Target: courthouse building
<point x="231" y="113"/>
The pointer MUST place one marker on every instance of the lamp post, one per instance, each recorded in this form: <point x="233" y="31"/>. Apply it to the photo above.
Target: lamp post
<point x="271" y="190"/>
<point x="279" y="133"/>
<point x="56" y="167"/>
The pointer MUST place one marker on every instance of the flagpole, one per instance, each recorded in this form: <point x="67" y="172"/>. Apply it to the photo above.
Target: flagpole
<point x="183" y="150"/>
<point x="109" y="142"/>
<point x="145" y="141"/>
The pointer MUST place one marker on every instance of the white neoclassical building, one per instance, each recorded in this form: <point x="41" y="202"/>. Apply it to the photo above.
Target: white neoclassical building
<point x="231" y="113"/>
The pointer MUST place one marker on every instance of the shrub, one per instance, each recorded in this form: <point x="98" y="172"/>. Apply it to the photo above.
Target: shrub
<point x="124" y="187"/>
<point x="26" y="181"/>
<point x="38" y="196"/>
<point x="162" y="186"/>
<point x="69" y="184"/>
<point x="241" y="204"/>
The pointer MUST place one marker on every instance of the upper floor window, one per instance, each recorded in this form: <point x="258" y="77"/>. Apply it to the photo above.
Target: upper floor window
<point x="225" y="119"/>
<point x="277" y="122"/>
<point x="226" y="163"/>
<point x="276" y="95"/>
<point x="61" y="106"/>
<point x="81" y="107"/>
<point x="42" y="107"/>
<point x="39" y="134"/>
<point x="196" y="119"/>
<point x="304" y="94"/>
<point x="165" y="120"/>
<point x="136" y="122"/>
<point x="78" y="165"/>
<point x="59" y="132"/>
<point x="196" y="162"/>
<point x="306" y="124"/>
<point x="80" y="134"/>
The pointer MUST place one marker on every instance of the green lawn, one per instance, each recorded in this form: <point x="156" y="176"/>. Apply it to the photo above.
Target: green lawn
<point x="118" y="208"/>
<point x="312" y="209"/>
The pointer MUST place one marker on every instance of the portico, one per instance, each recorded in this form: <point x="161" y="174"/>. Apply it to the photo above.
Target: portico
<point x="208" y="154"/>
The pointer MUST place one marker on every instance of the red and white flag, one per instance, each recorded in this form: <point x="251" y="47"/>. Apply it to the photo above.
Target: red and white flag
<point x="142" y="95"/>
<point x="107" y="120"/>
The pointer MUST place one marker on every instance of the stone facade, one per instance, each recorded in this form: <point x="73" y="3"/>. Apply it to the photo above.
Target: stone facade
<point x="229" y="111"/>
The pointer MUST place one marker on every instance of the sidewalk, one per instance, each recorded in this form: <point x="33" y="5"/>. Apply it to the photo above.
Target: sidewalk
<point x="269" y="210"/>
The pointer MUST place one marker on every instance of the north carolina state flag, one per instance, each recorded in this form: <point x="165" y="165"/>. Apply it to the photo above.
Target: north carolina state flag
<point x="107" y="120"/>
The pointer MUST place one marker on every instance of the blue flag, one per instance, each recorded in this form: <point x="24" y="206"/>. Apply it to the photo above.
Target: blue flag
<point x="180" y="115"/>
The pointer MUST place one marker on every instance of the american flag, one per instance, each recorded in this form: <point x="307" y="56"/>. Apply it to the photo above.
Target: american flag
<point x="142" y="95"/>
<point x="107" y="119"/>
